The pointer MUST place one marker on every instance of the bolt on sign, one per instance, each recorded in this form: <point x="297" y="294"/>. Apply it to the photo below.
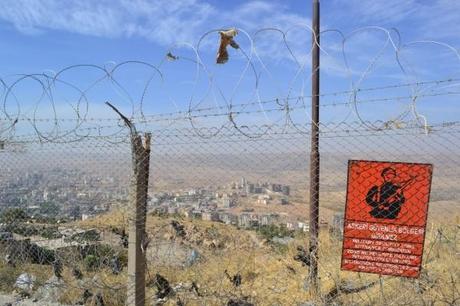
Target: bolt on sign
<point x="385" y="217"/>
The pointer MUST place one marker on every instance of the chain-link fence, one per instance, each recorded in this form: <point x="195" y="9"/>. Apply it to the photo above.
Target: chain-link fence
<point x="227" y="217"/>
<point x="209" y="206"/>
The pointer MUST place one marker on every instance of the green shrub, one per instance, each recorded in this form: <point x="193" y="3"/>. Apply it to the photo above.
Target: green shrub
<point x="271" y="231"/>
<point x="12" y="215"/>
<point x="91" y="262"/>
<point x="50" y="233"/>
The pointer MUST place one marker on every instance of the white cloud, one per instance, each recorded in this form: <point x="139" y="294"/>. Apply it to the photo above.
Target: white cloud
<point x="440" y="19"/>
<point x="435" y="19"/>
<point x="76" y="16"/>
<point x="159" y="20"/>
<point x="414" y="19"/>
<point x="259" y="14"/>
<point x="377" y="11"/>
<point x="162" y="21"/>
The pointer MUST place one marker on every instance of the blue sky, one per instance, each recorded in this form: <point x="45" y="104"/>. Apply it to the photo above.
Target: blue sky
<point x="48" y="35"/>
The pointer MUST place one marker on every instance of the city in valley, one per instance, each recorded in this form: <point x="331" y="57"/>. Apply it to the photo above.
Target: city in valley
<point x="73" y="195"/>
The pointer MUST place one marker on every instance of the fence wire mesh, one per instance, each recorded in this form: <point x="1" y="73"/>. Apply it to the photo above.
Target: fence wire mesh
<point x="227" y="216"/>
<point x="222" y="212"/>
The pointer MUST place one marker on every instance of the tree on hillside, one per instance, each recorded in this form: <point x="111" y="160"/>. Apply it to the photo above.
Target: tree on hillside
<point x="50" y="209"/>
<point x="11" y="215"/>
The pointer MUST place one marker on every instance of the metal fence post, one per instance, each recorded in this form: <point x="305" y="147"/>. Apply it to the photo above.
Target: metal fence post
<point x="314" y="154"/>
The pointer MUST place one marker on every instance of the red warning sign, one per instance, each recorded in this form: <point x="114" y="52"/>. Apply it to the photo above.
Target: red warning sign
<point x="385" y="217"/>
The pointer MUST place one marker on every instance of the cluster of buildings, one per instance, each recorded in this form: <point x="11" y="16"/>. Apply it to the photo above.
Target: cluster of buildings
<point x="245" y="219"/>
<point x="74" y="194"/>
<point x="69" y="193"/>
<point x="216" y="203"/>
<point x="263" y="192"/>
<point x="261" y="188"/>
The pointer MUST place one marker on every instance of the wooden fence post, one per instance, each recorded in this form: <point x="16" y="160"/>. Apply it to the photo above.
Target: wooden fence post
<point x="137" y="240"/>
<point x="137" y="220"/>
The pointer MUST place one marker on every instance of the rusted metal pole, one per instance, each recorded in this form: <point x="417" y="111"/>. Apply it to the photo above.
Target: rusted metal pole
<point x="314" y="154"/>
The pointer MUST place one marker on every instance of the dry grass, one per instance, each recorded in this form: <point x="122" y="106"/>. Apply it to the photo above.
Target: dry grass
<point x="270" y="275"/>
<point x="9" y="275"/>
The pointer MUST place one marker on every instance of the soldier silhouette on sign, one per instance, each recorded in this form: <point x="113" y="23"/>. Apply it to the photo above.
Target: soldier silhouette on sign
<point x="386" y="200"/>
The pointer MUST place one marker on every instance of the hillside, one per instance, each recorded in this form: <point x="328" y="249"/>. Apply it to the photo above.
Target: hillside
<point x="208" y="263"/>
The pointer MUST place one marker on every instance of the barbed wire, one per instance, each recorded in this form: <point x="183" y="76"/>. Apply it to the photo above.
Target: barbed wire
<point x="19" y="114"/>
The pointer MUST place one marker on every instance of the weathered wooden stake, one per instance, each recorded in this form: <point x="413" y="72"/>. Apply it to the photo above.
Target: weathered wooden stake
<point x="137" y="220"/>
<point x="140" y="152"/>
